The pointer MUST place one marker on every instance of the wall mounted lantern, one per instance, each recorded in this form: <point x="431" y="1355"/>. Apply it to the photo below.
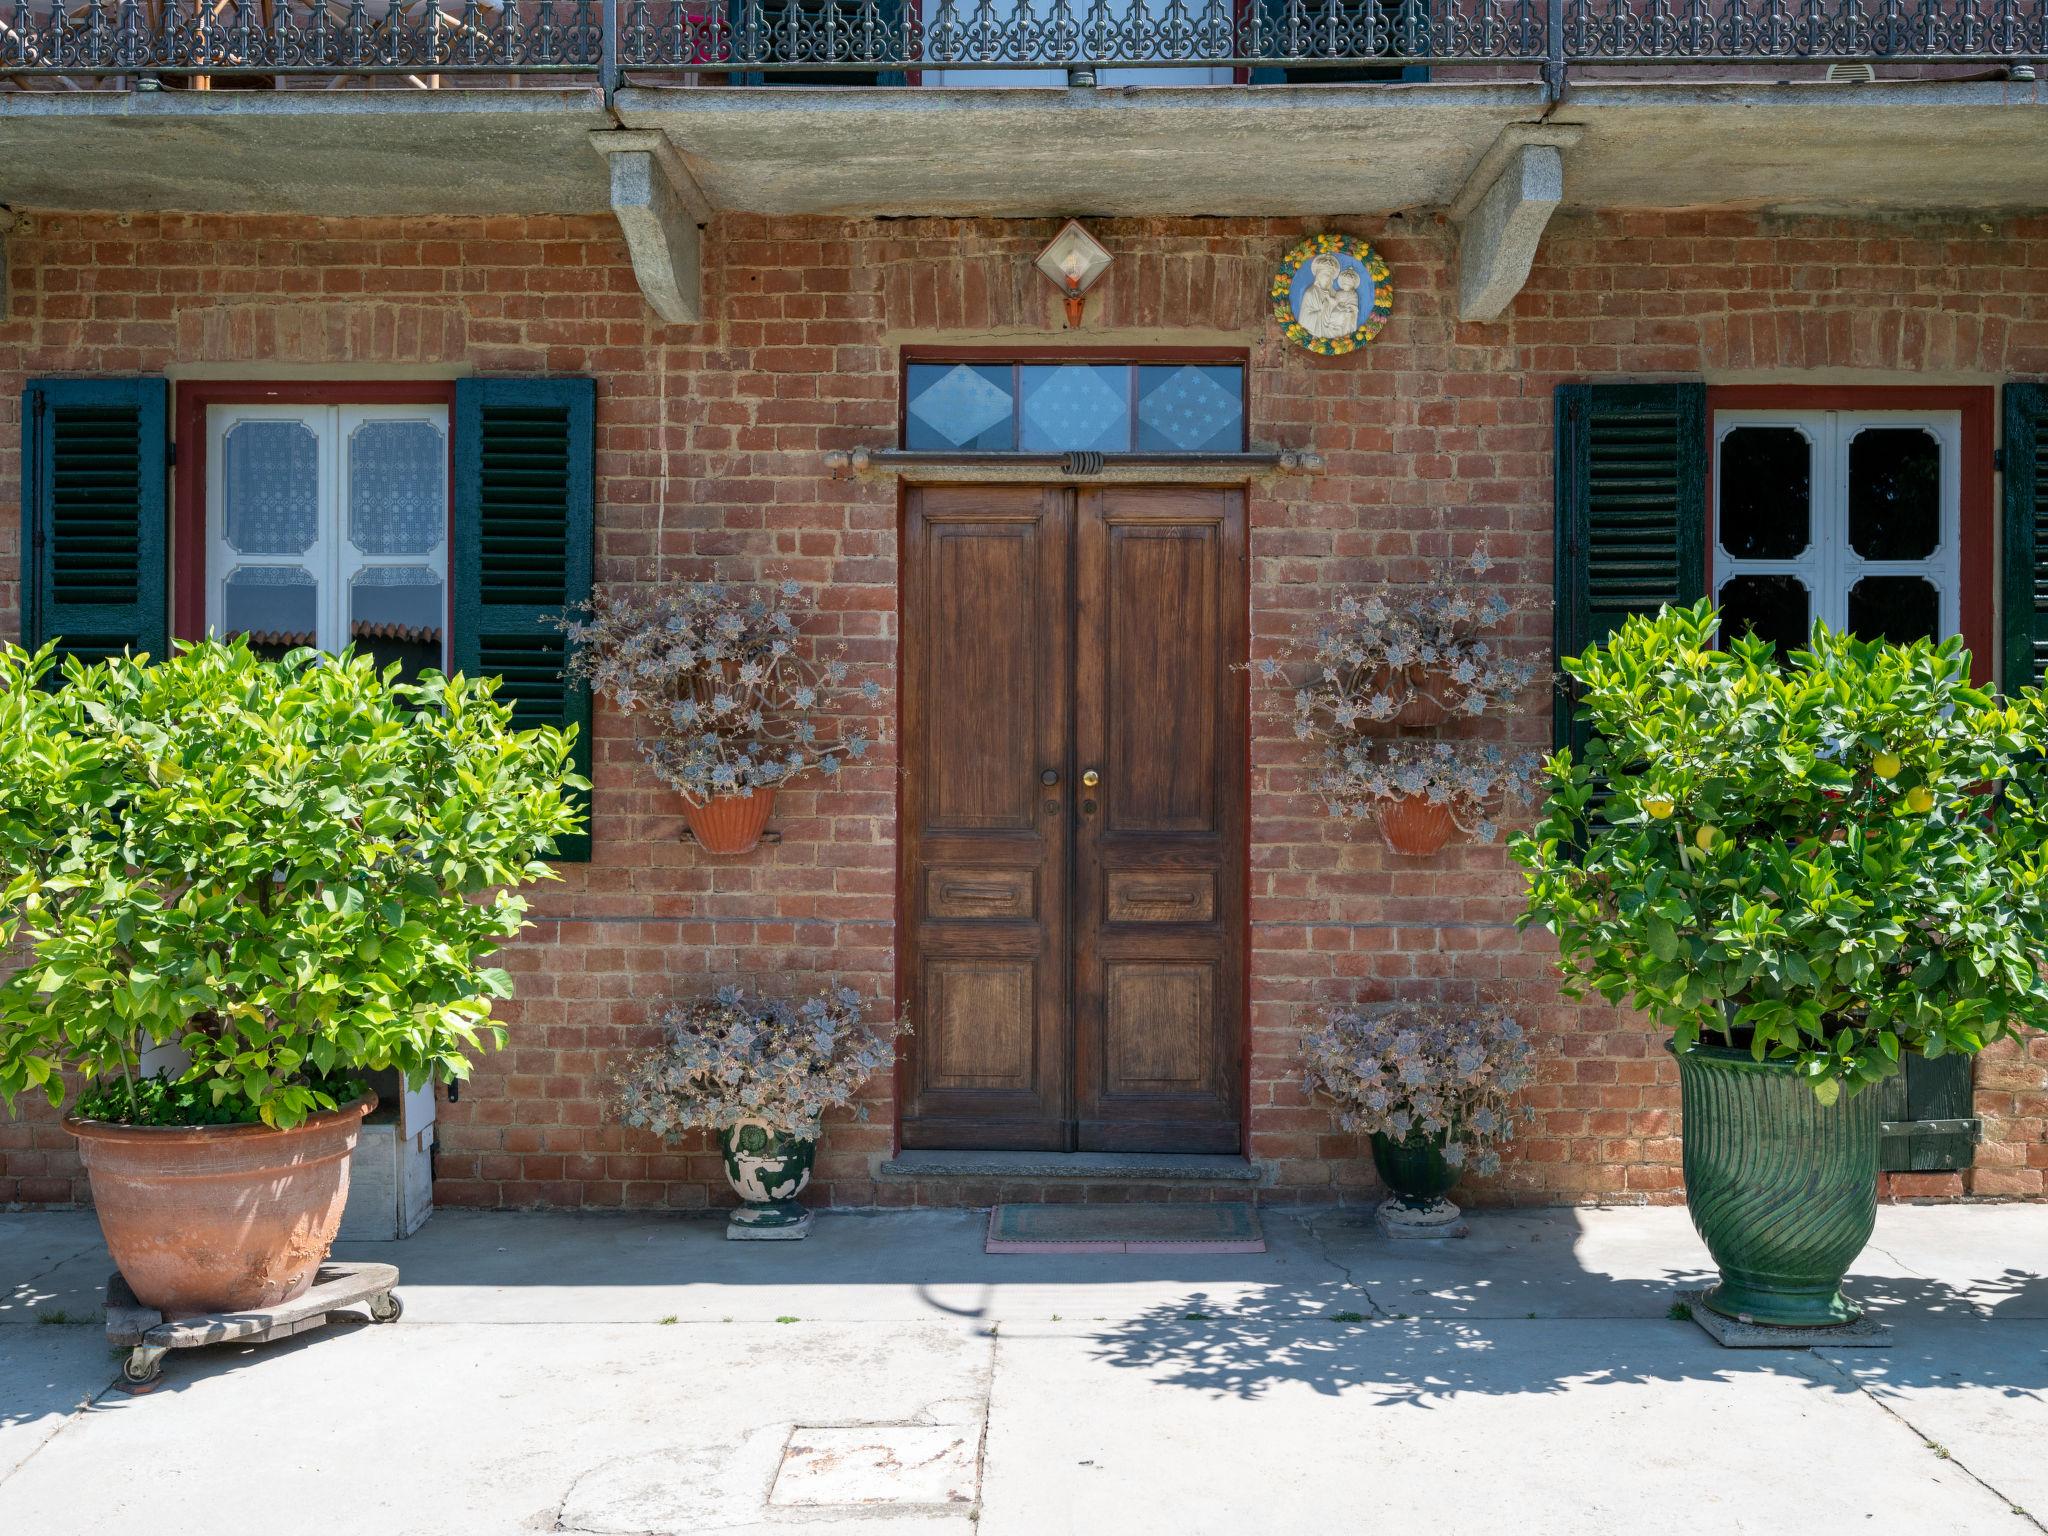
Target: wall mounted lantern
<point x="1073" y="262"/>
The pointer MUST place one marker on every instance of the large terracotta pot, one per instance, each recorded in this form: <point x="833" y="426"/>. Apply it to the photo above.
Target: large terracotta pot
<point x="220" y="1218"/>
<point x="731" y="823"/>
<point x="1782" y="1188"/>
<point x="1415" y="825"/>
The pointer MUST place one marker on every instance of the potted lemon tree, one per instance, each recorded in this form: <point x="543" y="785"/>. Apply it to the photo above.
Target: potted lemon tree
<point x="1805" y="869"/>
<point x="268" y="879"/>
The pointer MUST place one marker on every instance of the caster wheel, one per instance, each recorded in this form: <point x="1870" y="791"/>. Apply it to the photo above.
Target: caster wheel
<point x="141" y="1371"/>
<point x="386" y="1308"/>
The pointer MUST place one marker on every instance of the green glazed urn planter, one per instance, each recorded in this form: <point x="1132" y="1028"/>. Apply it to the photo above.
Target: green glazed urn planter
<point x="1782" y="1188"/>
<point x="768" y="1169"/>
<point x="1418" y="1178"/>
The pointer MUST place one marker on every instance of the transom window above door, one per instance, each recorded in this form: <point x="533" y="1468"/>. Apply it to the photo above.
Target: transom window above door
<point x="327" y="525"/>
<point x="1851" y="517"/>
<point x="1053" y="406"/>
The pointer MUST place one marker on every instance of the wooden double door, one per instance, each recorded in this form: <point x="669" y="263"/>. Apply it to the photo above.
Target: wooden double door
<point x="1073" y="817"/>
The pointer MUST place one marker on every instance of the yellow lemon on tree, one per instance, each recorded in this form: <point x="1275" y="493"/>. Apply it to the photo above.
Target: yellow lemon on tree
<point x="1706" y="837"/>
<point x="1920" y="800"/>
<point x="1660" y="807"/>
<point x="1887" y="765"/>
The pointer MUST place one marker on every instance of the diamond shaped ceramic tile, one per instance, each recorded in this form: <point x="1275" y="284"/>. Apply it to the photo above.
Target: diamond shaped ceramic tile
<point x="961" y="405"/>
<point x="1076" y="405"/>
<point x="1191" y="410"/>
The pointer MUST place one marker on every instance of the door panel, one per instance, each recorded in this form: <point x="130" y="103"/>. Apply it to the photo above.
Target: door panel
<point x="1159" y="844"/>
<point x="984" y="867"/>
<point x="1075" y="955"/>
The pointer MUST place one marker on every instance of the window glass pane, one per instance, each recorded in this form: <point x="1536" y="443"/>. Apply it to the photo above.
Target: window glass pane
<point x="1193" y="408"/>
<point x="395" y="612"/>
<point x="270" y="487"/>
<point x="959" y="406"/>
<point x="397" y="503"/>
<point x="1894" y="493"/>
<point x="1072" y="406"/>
<point x="1774" y="608"/>
<point x="1766" y="493"/>
<point x="276" y="606"/>
<point x="1894" y="608"/>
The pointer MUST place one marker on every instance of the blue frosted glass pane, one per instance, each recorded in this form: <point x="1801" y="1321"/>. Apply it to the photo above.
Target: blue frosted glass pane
<point x="1192" y="408"/>
<point x="1070" y="406"/>
<point x="959" y="407"/>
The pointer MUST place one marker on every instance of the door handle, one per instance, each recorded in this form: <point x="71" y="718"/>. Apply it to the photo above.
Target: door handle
<point x="1091" y="778"/>
<point x="1050" y="777"/>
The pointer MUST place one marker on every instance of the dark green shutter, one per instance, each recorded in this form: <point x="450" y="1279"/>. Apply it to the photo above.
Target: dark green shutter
<point x="1631" y="513"/>
<point x="92" y="516"/>
<point x="1925" y="1116"/>
<point x="525" y="521"/>
<point x="2025" y="553"/>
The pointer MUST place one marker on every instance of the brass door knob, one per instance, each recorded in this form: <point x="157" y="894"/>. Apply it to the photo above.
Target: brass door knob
<point x="1091" y="778"/>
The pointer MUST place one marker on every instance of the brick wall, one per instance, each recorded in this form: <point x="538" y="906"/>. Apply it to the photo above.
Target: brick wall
<point x="710" y="444"/>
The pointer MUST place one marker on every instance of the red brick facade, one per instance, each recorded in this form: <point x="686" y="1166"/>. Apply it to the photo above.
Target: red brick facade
<point x="710" y="453"/>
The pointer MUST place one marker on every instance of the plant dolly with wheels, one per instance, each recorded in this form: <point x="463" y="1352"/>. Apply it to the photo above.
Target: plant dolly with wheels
<point x="148" y="1335"/>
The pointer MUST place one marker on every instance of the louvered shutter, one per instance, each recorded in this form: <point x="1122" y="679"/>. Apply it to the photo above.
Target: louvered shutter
<point x="93" y="509"/>
<point x="525" y="519"/>
<point x="2025" y="555"/>
<point x="1631" y="513"/>
<point x="1926" y="1117"/>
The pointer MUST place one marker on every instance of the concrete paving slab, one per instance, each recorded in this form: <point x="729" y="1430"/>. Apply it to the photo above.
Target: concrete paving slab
<point x="46" y="1375"/>
<point x="1546" y="1429"/>
<point x="51" y="1263"/>
<point x="425" y="1430"/>
<point x="1977" y="1390"/>
<point x="908" y="1266"/>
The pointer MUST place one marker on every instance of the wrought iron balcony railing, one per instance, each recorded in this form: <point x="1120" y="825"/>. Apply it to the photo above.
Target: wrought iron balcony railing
<point x="901" y="41"/>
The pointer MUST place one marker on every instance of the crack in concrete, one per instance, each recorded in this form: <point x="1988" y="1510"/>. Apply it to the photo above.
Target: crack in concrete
<point x="1351" y="1281"/>
<point x="1935" y="1447"/>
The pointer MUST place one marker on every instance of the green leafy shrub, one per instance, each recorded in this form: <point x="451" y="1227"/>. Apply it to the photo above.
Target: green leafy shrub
<point x="295" y="871"/>
<point x="1835" y="861"/>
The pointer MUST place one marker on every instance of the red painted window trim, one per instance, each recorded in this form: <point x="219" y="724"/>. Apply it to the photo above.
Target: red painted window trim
<point x="1979" y="529"/>
<point x="188" y="517"/>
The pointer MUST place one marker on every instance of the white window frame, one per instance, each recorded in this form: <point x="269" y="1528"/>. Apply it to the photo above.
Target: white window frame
<point x="333" y="560"/>
<point x="1829" y="565"/>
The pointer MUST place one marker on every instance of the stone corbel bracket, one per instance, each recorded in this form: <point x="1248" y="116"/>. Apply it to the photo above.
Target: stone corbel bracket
<point x="1501" y="213"/>
<point x="661" y="211"/>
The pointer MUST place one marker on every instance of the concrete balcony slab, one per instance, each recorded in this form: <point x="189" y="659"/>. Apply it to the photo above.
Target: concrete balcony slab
<point x="1905" y="145"/>
<point x="341" y="153"/>
<point x="996" y="151"/>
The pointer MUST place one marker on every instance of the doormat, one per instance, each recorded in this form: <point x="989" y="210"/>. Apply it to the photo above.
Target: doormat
<point x="1221" y="1227"/>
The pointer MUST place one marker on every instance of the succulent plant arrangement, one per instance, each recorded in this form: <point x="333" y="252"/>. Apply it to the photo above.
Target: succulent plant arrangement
<point x="726" y="691"/>
<point x="1395" y="656"/>
<point x="1376" y="654"/>
<point x="740" y="1057"/>
<point x="1471" y="781"/>
<point x="1421" y="1071"/>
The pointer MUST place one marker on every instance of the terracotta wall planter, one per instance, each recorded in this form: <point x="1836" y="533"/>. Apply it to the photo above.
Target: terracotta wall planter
<point x="219" y="1218"/>
<point x="731" y="823"/>
<point x="1415" y="826"/>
